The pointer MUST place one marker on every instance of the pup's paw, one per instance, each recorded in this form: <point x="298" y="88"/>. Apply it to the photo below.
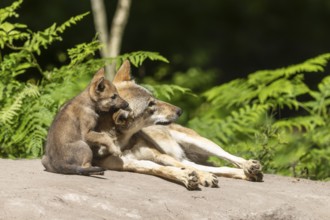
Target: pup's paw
<point x="190" y="179"/>
<point x="122" y="118"/>
<point x="253" y="170"/>
<point x="208" y="179"/>
<point x="102" y="151"/>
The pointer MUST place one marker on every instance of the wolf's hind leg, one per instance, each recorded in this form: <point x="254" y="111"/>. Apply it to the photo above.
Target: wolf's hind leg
<point x="46" y="163"/>
<point x="78" y="160"/>
<point x="248" y="173"/>
<point x="197" y="145"/>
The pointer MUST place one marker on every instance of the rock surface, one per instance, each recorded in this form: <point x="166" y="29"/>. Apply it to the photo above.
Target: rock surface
<point x="28" y="192"/>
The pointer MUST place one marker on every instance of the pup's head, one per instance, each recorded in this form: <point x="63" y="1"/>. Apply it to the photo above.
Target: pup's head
<point x="146" y="110"/>
<point x="104" y="94"/>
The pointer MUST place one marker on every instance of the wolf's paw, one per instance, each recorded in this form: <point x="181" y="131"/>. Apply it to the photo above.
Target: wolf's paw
<point x="115" y="151"/>
<point x="253" y="170"/>
<point x="208" y="179"/>
<point x="190" y="179"/>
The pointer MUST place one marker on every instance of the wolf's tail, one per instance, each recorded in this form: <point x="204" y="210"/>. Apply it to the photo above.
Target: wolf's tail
<point x="76" y="169"/>
<point x="62" y="167"/>
<point x="90" y="170"/>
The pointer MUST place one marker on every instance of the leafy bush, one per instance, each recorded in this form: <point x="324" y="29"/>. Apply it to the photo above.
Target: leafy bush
<point x="244" y="115"/>
<point x="27" y="106"/>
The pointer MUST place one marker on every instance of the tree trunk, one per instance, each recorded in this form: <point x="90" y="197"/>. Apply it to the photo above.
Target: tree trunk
<point x="112" y="39"/>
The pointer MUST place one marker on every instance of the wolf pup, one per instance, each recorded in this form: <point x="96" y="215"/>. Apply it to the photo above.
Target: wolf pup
<point x="72" y="132"/>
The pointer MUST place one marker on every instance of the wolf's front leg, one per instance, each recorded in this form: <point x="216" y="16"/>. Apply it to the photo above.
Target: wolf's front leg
<point x="206" y="179"/>
<point x="186" y="177"/>
<point x="148" y="153"/>
<point x="100" y="139"/>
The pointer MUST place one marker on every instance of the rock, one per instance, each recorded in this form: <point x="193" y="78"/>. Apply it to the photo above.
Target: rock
<point x="28" y="192"/>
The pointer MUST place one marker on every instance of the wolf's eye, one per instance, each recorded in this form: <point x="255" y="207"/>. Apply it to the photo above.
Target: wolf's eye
<point x="151" y="103"/>
<point x="114" y="96"/>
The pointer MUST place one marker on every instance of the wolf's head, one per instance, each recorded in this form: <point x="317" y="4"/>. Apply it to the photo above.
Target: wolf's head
<point x="104" y="94"/>
<point x="146" y="110"/>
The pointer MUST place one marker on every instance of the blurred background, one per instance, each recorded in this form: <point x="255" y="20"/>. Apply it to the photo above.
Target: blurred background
<point x="227" y="39"/>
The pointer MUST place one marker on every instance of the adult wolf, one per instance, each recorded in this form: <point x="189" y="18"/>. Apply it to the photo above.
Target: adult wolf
<point x="152" y="145"/>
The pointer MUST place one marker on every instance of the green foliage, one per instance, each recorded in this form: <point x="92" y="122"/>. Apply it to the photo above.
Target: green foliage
<point x="27" y="107"/>
<point x="168" y="91"/>
<point x="175" y="88"/>
<point x="83" y="51"/>
<point x="273" y="116"/>
<point x="138" y="57"/>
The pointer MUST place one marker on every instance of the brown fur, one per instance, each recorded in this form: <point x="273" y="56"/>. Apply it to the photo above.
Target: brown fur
<point x="151" y="146"/>
<point x="72" y="131"/>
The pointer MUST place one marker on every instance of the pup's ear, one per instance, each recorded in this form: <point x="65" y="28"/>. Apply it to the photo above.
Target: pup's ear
<point x="99" y="85"/>
<point x="98" y="75"/>
<point x="124" y="73"/>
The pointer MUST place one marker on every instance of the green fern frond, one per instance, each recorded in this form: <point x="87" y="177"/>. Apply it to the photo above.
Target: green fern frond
<point x="34" y="147"/>
<point x="71" y="21"/>
<point x="321" y="99"/>
<point x="264" y="77"/>
<point x="2" y="88"/>
<point x="245" y="118"/>
<point x="12" y="32"/>
<point x="42" y="39"/>
<point x="9" y="11"/>
<point x="82" y="51"/>
<point x="322" y="136"/>
<point x="230" y="94"/>
<point x="49" y="35"/>
<point x="243" y="121"/>
<point x="137" y="58"/>
<point x="282" y="87"/>
<point x="166" y="91"/>
<point x="10" y="111"/>
<point x="300" y="123"/>
<point x="16" y="63"/>
<point x="8" y="90"/>
<point x="324" y="86"/>
<point x="36" y="121"/>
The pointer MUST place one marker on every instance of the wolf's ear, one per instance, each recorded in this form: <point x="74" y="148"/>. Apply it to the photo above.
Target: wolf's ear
<point x="124" y="73"/>
<point x="98" y="75"/>
<point x="99" y="85"/>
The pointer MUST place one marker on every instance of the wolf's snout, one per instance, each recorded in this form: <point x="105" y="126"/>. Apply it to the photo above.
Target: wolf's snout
<point x="179" y="111"/>
<point x="125" y="106"/>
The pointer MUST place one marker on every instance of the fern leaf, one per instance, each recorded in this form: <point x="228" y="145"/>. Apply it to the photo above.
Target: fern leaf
<point x="166" y="91"/>
<point x="243" y="121"/>
<point x="49" y="35"/>
<point x="42" y="39"/>
<point x="229" y="94"/>
<point x="264" y="77"/>
<point x="8" y="113"/>
<point x="11" y="32"/>
<point x="301" y="123"/>
<point x="321" y="136"/>
<point x="71" y="21"/>
<point x="10" y="11"/>
<point x="137" y="58"/>
<point x="82" y="51"/>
